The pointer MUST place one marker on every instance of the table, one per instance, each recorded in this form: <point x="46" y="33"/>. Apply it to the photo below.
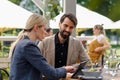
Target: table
<point x="105" y="75"/>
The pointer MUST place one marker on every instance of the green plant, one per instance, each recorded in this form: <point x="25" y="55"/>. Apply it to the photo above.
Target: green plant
<point x="4" y="73"/>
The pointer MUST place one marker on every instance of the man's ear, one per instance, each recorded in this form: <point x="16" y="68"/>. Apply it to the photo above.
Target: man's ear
<point x="59" y="24"/>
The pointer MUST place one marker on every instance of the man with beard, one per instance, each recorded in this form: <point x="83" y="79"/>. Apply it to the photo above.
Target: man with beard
<point x="62" y="49"/>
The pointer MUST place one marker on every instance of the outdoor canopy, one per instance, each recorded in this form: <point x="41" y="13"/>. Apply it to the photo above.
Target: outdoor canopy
<point x="12" y="16"/>
<point x="86" y="19"/>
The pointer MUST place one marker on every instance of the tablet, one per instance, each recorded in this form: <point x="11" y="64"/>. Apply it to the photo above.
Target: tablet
<point x="78" y="71"/>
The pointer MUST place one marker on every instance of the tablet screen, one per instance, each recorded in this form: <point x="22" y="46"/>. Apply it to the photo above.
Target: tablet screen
<point x="78" y="71"/>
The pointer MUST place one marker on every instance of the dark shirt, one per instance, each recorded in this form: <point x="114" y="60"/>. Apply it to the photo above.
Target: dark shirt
<point x="61" y="51"/>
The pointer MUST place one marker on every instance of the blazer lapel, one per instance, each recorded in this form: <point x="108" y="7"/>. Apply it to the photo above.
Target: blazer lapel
<point x="53" y="50"/>
<point x="70" y="50"/>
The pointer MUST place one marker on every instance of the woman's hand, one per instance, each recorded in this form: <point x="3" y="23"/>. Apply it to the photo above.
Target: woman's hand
<point x="98" y="49"/>
<point x="70" y="69"/>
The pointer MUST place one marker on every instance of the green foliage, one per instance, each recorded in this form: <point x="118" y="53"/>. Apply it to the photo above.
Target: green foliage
<point x="55" y="30"/>
<point x="4" y="49"/>
<point x="54" y="8"/>
<point x="5" y="45"/>
<point x="115" y="11"/>
<point x="83" y="2"/>
<point x="16" y="1"/>
<point x="4" y="75"/>
<point x="108" y="8"/>
<point x="30" y="6"/>
<point x="94" y="4"/>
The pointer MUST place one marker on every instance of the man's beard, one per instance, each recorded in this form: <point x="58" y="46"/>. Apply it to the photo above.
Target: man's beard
<point x="63" y="35"/>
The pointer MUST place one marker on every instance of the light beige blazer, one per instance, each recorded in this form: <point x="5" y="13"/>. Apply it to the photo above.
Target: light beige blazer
<point x="75" y="50"/>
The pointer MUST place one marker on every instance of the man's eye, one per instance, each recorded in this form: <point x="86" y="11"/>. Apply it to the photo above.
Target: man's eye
<point x="65" y="25"/>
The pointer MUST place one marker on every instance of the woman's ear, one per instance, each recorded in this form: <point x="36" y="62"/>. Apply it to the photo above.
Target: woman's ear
<point x="36" y="27"/>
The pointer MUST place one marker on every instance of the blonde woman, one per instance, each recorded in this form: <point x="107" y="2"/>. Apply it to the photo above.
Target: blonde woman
<point x="98" y="45"/>
<point x="27" y="63"/>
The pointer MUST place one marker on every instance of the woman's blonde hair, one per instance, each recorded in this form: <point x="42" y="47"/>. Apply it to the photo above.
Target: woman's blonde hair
<point x="35" y="19"/>
<point x="32" y="20"/>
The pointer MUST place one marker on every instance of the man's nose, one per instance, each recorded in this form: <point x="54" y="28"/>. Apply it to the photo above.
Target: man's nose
<point x="68" y="29"/>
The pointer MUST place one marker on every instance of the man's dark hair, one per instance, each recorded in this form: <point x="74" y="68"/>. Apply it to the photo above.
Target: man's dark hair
<point x="70" y="16"/>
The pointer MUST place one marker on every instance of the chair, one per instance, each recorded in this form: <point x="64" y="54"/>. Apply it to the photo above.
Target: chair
<point x="4" y="64"/>
<point x="3" y="70"/>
